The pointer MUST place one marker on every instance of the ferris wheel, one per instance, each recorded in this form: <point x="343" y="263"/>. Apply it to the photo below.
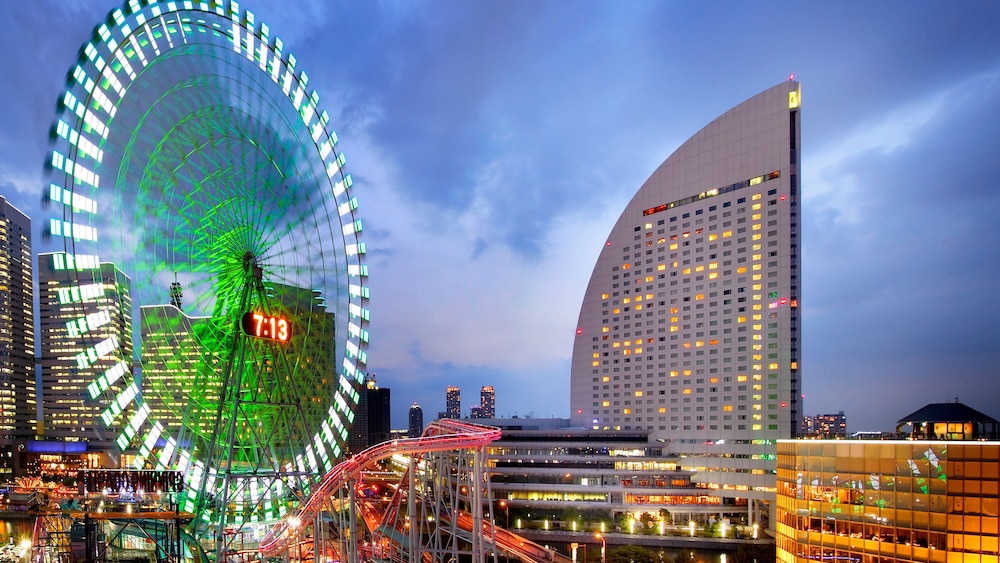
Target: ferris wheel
<point x="215" y="284"/>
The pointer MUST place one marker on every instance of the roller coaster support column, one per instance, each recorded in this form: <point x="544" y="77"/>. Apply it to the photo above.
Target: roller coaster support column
<point x="319" y="537"/>
<point x="352" y="534"/>
<point x="411" y="510"/>
<point x="478" y="551"/>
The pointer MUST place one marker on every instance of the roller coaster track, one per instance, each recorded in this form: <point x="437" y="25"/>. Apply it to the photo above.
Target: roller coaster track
<point x="447" y="497"/>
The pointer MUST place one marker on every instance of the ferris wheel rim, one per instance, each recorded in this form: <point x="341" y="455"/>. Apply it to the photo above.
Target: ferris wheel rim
<point x="79" y="164"/>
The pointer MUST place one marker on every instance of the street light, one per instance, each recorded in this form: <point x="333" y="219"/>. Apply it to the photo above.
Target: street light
<point x="604" y="547"/>
<point x="506" y="513"/>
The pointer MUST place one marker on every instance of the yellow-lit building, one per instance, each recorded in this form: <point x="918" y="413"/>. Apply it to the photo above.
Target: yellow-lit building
<point x="887" y="501"/>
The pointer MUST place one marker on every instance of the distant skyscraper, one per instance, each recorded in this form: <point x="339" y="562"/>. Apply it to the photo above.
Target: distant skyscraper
<point x="416" y="427"/>
<point x="453" y="403"/>
<point x="689" y="327"/>
<point x="487" y="402"/>
<point x="18" y="394"/>
<point x="829" y="425"/>
<point x="79" y="307"/>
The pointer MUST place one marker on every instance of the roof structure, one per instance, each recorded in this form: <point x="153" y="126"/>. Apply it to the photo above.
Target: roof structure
<point x="946" y="412"/>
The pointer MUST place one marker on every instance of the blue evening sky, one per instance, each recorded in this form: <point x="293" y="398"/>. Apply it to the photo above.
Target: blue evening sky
<point x="495" y="143"/>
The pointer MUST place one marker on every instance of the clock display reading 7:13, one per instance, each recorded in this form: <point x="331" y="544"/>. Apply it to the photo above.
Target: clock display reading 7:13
<point x="266" y="326"/>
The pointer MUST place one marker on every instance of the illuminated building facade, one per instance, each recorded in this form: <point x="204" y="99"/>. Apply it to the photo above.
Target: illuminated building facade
<point x="183" y="358"/>
<point x="415" y="427"/>
<point x="453" y="403"/>
<point x="827" y="425"/>
<point x="689" y="327"/>
<point x="888" y="500"/>
<point x="83" y="309"/>
<point x="18" y="394"/>
<point x="541" y="466"/>
<point x="487" y="402"/>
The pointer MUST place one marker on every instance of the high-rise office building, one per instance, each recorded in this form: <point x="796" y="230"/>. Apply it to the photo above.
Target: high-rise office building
<point x="78" y="308"/>
<point x="487" y="402"/>
<point x="416" y="426"/>
<point x="184" y="357"/>
<point x="689" y="327"/>
<point x="453" y="403"/>
<point x="18" y="394"/>
<point x="372" y="421"/>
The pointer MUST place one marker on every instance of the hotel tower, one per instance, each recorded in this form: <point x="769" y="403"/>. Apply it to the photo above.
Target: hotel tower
<point x="689" y="328"/>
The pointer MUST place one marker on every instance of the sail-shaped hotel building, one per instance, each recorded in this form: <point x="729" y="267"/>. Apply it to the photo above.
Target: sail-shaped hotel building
<point x="690" y="324"/>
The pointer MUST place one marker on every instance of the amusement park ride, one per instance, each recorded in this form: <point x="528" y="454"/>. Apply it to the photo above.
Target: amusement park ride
<point x="190" y="156"/>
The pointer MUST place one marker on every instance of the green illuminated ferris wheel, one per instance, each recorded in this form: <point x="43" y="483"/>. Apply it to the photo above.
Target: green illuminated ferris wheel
<point x="216" y="282"/>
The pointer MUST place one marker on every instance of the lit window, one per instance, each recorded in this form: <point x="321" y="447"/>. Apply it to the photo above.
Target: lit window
<point x="673" y="246"/>
<point x="741" y="270"/>
<point x="627" y="411"/>
<point x="626" y="266"/>
<point x="638" y="393"/>
<point x="606" y="404"/>
<point x="627" y="300"/>
<point x="606" y="379"/>
<point x="661" y="267"/>
<point x="772" y="366"/>
<point x="687" y="391"/>
<point x="712" y="237"/>
<point x="663" y="410"/>
<point x="699" y="297"/>
<point x="604" y="329"/>
<point x="741" y="378"/>
<point x="727" y="234"/>
<point x="604" y="296"/>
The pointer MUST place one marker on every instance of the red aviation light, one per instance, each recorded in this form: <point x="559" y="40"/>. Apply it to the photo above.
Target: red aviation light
<point x="579" y="331"/>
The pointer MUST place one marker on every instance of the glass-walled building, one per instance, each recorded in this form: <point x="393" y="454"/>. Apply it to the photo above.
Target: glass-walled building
<point x="886" y="501"/>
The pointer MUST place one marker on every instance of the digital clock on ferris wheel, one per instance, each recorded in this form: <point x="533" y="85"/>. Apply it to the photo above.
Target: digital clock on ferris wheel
<point x="270" y="327"/>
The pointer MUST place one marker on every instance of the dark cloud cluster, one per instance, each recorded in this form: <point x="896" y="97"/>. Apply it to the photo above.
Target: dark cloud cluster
<point x="495" y="143"/>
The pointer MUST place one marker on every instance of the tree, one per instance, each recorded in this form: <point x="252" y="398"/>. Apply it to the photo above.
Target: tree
<point x="629" y="554"/>
<point x="571" y="514"/>
<point x="647" y="520"/>
<point x="758" y="553"/>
